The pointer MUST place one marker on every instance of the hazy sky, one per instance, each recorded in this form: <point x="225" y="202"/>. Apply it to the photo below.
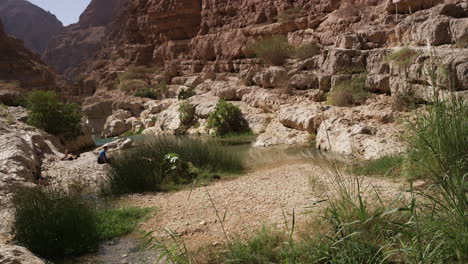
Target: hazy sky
<point x="67" y="11"/>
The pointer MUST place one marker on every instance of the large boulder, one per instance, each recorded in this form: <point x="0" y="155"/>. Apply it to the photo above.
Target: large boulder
<point x="277" y="134"/>
<point x="303" y="117"/>
<point x="10" y="254"/>
<point x="304" y="81"/>
<point x="272" y="77"/>
<point x="115" y="124"/>
<point x="342" y="136"/>
<point x="410" y="6"/>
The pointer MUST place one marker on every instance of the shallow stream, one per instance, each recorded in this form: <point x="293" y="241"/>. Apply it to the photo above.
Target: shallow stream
<point x="128" y="250"/>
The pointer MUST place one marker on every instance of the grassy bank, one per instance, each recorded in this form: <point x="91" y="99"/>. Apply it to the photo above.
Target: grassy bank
<point x="356" y="225"/>
<point x="54" y="224"/>
<point x="164" y="163"/>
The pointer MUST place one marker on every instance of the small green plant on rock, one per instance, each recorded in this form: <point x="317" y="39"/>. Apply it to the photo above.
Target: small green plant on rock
<point x="350" y="92"/>
<point x="227" y="118"/>
<point x="146" y="92"/>
<point x="185" y="94"/>
<point x="402" y="57"/>
<point x="186" y="113"/>
<point x="273" y="51"/>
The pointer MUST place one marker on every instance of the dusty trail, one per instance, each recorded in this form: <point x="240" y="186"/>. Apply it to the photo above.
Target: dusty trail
<point x="258" y="198"/>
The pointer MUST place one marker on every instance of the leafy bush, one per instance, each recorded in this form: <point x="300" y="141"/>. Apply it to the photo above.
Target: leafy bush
<point x="384" y="166"/>
<point x="113" y="223"/>
<point x="348" y="93"/>
<point x="186" y="114"/>
<point x="53" y="224"/>
<point x="227" y="118"/>
<point x="185" y="94"/>
<point x="48" y="114"/>
<point x="147" y="92"/>
<point x="149" y="167"/>
<point x="273" y="51"/>
<point x="403" y="57"/>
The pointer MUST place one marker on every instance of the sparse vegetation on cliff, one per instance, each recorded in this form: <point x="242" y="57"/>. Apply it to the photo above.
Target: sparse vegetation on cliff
<point x="403" y="57"/>
<point x="350" y="92"/>
<point x="273" y="51"/>
<point x="185" y="94"/>
<point x="227" y="118"/>
<point x="146" y="92"/>
<point x="48" y="114"/>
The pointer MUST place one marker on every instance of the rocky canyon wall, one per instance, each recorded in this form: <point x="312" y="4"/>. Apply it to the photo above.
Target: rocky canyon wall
<point x="79" y="42"/>
<point x="204" y="35"/>
<point x="29" y="23"/>
<point x="20" y="65"/>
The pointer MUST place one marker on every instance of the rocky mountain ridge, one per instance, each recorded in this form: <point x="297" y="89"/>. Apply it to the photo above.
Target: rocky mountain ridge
<point x="30" y="23"/>
<point x="21" y="69"/>
<point x="79" y="42"/>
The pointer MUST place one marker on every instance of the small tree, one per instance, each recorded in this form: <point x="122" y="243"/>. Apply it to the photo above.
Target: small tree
<point x="48" y="114"/>
<point x="227" y="118"/>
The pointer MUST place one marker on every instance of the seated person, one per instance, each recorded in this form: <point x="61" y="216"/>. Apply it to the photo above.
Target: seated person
<point x="102" y="158"/>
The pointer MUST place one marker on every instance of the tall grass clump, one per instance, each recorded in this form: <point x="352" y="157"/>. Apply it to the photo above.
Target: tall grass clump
<point x="167" y="161"/>
<point x="437" y="152"/>
<point x="388" y="166"/>
<point x="350" y="92"/>
<point x="273" y="51"/>
<point x="54" y="224"/>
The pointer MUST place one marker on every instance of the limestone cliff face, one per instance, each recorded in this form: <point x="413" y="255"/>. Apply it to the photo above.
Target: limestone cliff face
<point x="29" y="23"/>
<point x="79" y="42"/>
<point x="17" y="63"/>
<point x="205" y="35"/>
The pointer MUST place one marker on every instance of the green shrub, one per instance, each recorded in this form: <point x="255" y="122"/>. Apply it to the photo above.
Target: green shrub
<point x="348" y="93"/>
<point x="403" y="57"/>
<point x="113" y="223"/>
<point x="53" y="224"/>
<point x="273" y="51"/>
<point x="186" y="114"/>
<point x="147" y="92"/>
<point x="227" y="118"/>
<point x="163" y="162"/>
<point x="48" y="114"/>
<point x="185" y="94"/>
<point x="384" y="166"/>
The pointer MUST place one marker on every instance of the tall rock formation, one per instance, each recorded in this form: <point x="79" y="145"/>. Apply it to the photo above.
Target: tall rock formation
<point x="30" y="23"/>
<point x="18" y="64"/>
<point x="80" y="42"/>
